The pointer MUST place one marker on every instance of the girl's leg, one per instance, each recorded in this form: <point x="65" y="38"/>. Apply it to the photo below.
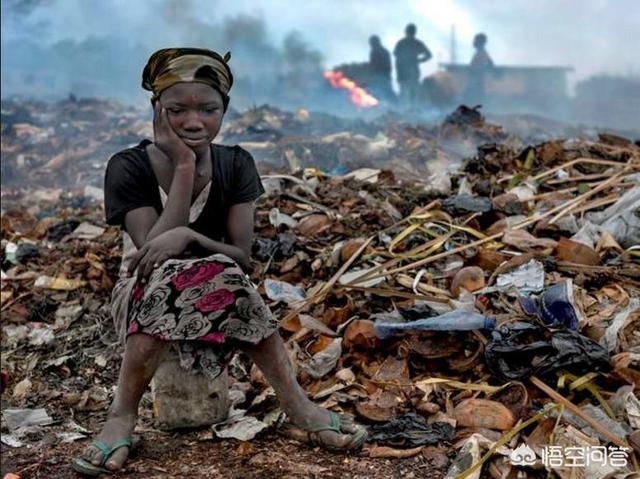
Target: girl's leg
<point x="271" y="357"/>
<point x="142" y="356"/>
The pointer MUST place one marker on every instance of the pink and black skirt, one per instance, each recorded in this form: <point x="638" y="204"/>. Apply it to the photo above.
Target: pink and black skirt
<point x="206" y="307"/>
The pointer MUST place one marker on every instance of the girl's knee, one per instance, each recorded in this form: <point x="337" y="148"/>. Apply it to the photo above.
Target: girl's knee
<point x="145" y="345"/>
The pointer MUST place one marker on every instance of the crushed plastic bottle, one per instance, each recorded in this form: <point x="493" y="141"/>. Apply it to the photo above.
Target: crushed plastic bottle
<point x="457" y="320"/>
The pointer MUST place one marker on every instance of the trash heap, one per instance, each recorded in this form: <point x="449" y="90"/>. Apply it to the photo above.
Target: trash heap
<point x="67" y="143"/>
<point x="492" y="309"/>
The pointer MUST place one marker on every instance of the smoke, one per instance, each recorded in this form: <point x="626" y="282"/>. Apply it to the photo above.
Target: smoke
<point x="45" y="59"/>
<point x="51" y="48"/>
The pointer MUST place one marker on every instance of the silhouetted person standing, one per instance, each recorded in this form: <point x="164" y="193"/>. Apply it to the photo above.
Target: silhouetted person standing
<point x="380" y="70"/>
<point x="409" y="53"/>
<point x="480" y="65"/>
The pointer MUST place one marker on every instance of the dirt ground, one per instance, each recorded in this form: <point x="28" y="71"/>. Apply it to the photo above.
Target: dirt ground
<point x="195" y="455"/>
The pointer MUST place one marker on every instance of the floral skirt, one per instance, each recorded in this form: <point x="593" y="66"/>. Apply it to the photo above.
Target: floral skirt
<point x="205" y="306"/>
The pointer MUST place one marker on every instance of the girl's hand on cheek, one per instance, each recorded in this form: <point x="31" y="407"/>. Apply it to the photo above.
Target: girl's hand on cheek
<point x="166" y="139"/>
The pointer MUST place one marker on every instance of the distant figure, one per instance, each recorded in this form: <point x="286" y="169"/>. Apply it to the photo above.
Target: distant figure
<point x="481" y="63"/>
<point x="409" y="53"/>
<point x="380" y="70"/>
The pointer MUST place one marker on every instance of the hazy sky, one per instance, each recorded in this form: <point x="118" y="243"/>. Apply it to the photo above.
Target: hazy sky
<point x="590" y="35"/>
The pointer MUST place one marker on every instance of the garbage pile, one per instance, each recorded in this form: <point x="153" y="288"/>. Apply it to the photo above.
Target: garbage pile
<point x="66" y="144"/>
<point x="493" y="308"/>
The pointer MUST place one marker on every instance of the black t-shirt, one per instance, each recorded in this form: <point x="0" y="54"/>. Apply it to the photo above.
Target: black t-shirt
<point x="130" y="183"/>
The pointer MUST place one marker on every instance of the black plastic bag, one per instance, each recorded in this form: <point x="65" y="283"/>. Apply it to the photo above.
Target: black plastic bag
<point x="418" y="310"/>
<point x="282" y="247"/>
<point x="522" y="349"/>
<point x="410" y="430"/>
<point x="463" y="204"/>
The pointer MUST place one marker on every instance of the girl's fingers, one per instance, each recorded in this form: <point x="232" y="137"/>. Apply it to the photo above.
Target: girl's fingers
<point x="166" y="126"/>
<point x="162" y="257"/>
<point x="135" y="259"/>
<point x="156" y="114"/>
<point x="142" y="277"/>
<point x="162" y="127"/>
<point x="147" y="268"/>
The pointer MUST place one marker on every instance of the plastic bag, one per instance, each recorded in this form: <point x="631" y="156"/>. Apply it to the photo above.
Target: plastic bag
<point x="522" y="349"/>
<point x="410" y="430"/>
<point x="555" y="307"/>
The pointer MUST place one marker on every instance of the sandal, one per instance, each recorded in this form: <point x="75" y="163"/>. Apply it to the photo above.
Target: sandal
<point x="312" y="435"/>
<point x="83" y="466"/>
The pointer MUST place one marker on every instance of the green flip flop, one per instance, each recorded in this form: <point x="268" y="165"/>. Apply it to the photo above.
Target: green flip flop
<point x="312" y="436"/>
<point x="83" y="466"/>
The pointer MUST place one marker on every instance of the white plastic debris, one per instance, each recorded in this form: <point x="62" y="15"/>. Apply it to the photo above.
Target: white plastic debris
<point x="439" y="183"/>
<point x="94" y="192"/>
<point x="610" y="338"/>
<point x="465" y="187"/>
<point x="588" y="234"/>
<point x="239" y="426"/>
<point x="619" y="429"/>
<point x="87" y="231"/>
<point x="11" y="440"/>
<point x="324" y="361"/>
<point x="13" y="334"/>
<point x="283" y="291"/>
<point x="524" y="192"/>
<point x="10" y="250"/>
<point x="625" y="404"/>
<point x="22" y="418"/>
<point x="272" y="186"/>
<point x="370" y="175"/>
<point x="528" y="278"/>
<point x="622" y="219"/>
<point x="65" y="315"/>
<point x="468" y="454"/>
<point x="40" y="336"/>
<point x="276" y="218"/>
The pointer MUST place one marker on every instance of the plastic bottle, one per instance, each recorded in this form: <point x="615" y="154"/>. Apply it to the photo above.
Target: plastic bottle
<point x="457" y="320"/>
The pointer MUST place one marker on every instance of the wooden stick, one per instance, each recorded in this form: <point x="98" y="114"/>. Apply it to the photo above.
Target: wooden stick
<point x="13" y="301"/>
<point x="567" y="165"/>
<point x="397" y="259"/>
<point x="575" y="202"/>
<point x="394" y="292"/>
<point x="540" y="196"/>
<point x="473" y="244"/>
<point x="323" y="291"/>
<point x="407" y="281"/>
<point x="575" y="162"/>
<point x="433" y="258"/>
<point x="328" y="211"/>
<point x="577" y="411"/>
<point x="406" y="218"/>
<point x="597" y="204"/>
<point x="569" y="179"/>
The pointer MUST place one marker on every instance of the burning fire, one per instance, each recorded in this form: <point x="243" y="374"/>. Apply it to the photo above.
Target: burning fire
<point x="358" y="95"/>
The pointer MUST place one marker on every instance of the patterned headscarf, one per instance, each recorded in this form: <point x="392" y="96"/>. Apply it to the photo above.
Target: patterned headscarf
<point x="169" y="66"/>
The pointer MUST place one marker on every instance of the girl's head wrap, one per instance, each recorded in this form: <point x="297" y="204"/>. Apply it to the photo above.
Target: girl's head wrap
<point x="169" y="66"/>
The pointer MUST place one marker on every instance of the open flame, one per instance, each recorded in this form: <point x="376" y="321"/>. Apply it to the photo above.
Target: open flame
<point x="358" y="95"/>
